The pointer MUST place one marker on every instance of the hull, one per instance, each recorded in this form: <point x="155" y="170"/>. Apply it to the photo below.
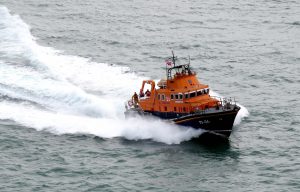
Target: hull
<point x="216" y="122"/>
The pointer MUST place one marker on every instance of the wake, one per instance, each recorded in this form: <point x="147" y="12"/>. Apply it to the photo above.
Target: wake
<point x="44" y="89"/>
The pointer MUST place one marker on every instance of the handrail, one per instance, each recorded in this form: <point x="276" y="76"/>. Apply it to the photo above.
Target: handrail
<point x="225" y="100"/>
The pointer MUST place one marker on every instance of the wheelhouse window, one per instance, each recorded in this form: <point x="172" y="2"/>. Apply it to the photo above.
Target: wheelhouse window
<point x="176" y="96"/>
<point x="192" y="94"/>
<point x="162" y="97"/>
<point x="158" y="96"/>
<point x="186" y="95"/>
<point x="180" y="95"/>
<point x="172" y="96"/>
<point x="199" y="92"/>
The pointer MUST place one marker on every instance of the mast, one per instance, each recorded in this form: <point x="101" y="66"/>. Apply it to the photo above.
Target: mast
<point x="168" y="71"/>
<point x="173" y="58"/>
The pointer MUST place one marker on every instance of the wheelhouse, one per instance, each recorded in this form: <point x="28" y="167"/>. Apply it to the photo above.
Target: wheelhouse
<point x="180" y="92"/>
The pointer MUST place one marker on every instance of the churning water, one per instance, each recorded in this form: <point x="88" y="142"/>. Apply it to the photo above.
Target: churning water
<point x="66" y="69"/>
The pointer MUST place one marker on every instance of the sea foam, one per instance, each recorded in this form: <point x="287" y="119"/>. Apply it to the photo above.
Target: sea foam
<point x="71" y="94"/>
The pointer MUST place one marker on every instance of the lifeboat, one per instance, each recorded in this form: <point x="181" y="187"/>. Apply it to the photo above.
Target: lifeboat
<point x="182" y="99"/>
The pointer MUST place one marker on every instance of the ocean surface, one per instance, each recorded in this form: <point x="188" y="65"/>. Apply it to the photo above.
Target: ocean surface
<point x="66" y="68"/>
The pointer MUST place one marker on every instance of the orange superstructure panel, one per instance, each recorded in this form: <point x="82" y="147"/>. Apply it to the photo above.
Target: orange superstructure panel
<point x="166" y="97"/>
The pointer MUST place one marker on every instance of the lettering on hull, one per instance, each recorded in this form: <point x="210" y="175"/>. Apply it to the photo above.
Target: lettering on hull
<point x="204" y="122"/>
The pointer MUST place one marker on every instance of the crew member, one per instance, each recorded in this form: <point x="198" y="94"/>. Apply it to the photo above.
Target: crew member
<point x="142" y="93"/>
<point x="135" y="98"/>
<point x="148" y="93"/>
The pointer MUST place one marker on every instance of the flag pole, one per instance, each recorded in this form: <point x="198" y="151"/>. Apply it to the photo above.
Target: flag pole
<point x="173" y="57"/>
<point x="166" y="69"/>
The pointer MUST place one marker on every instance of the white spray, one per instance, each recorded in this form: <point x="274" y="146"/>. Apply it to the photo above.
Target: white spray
<point x="66" y="101"/>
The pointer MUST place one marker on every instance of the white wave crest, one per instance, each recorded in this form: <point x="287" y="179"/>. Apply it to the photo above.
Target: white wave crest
<point x="133" y="129"/>
<point x="59" y="82"/>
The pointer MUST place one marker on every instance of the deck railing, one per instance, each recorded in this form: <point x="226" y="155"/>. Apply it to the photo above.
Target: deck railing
<point x="224" y="104"/>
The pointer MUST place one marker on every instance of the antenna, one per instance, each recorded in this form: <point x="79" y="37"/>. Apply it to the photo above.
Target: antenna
<point x="173" y="58"/>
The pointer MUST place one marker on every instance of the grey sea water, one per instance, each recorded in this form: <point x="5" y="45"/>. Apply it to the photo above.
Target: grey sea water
<point x="66" y="67"/>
